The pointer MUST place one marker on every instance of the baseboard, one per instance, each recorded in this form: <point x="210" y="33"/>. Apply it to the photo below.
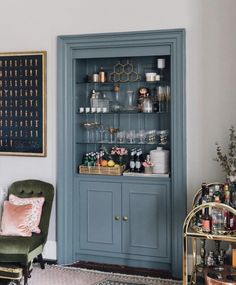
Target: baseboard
<point x="50" y="261"/>
<point x="50" y="250"/>
<point x="50" y="255"/>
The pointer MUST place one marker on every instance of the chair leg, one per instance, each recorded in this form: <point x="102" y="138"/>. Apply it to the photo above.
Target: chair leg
<point x="27" y="272"/>
<point x="26" y="275"/>
<point x="41" y="261"/>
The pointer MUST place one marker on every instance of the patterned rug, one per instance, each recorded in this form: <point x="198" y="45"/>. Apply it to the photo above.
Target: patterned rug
<point x="59" y="275"/>
<point x="110" y="282"/>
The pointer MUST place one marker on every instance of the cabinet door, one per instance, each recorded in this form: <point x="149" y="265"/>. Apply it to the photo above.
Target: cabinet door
<point x="147" y="228"/>
<point x="100" y="211"/>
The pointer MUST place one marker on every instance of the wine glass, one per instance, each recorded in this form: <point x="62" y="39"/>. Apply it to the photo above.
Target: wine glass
<point x="130" y="136"/>
<point x="142" y="136"/>
<point x="120" y="136"/>
<point x="113" y="132"/>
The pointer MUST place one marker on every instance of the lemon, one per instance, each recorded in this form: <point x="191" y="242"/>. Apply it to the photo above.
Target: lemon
<point x="111" y="163"/>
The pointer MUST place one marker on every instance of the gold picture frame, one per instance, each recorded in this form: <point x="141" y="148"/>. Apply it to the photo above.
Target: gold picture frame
<point x="23" y="103"/>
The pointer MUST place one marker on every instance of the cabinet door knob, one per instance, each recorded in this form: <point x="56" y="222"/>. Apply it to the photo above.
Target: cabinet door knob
<point x="117" y="218"/>
<point x="125" y="218"/>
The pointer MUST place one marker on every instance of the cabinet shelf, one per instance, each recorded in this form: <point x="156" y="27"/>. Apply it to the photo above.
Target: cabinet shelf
<point x="118" y="143"/>
<point x="151" y="83"/>
<point x="122" y="113"/>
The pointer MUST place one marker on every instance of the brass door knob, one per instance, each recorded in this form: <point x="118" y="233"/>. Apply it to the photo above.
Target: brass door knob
<point x="125" y="218"/>
<point x="117" y="218"/>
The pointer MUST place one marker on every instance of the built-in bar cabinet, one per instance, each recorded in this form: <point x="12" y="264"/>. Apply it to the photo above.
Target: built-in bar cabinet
<point x="122" y="90"/>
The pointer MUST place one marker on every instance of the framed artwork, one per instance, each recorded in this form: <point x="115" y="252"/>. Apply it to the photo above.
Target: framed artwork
<point x="23" y="103"/>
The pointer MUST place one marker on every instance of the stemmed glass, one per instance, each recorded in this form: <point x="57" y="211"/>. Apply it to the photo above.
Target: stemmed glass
<point x="130" y="136"/>
<point x="142" y="136"/>
<point x="113" y="132"/>
<point x="89" y="130"/>
<point x="120" y="136"/>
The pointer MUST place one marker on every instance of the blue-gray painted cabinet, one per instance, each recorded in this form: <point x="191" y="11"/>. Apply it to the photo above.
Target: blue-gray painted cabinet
<point x="99" y="216"/>
<point x="146" y="220"/>
<point x="125" y="221"/>
<point x="132" y="220"/>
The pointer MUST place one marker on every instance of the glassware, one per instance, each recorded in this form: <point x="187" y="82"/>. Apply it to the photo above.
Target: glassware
<point x="130" y="101"/>
<point x="130" y="136"/>
<point x="147" y="105"/>
<point x="160" y="98"/>
<point x="89" y="131"/>
<point x="141" y="136"/>
<point x="90" y="127"/>
<point x="116" y="106"/>
<point x="113" y="132"/>
<point x="163" y="137"/>
<point x="151" y="136"/>
<point x="120" y="136"/>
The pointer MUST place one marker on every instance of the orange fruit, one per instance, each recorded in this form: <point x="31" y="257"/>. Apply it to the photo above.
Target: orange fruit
<point x="104" y="162"/>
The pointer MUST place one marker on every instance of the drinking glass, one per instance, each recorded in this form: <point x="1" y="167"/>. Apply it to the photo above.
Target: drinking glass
<point x="130" y="136"/>
<point x="120" y="137"/>
<point x="142" y="136"/>
<point x="89" y="131"/>
<point x="112" y="132"/>
<point x="151" y="136"/>
<point x="163" y="137"/>
<point x="131" y="102"/>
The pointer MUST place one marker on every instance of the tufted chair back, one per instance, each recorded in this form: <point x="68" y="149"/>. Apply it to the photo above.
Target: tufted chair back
<point x="36" y="188"/>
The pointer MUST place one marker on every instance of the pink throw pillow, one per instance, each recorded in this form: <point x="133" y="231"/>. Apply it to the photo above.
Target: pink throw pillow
<point x="15" y="220"/>
<point x="37" y="204"/>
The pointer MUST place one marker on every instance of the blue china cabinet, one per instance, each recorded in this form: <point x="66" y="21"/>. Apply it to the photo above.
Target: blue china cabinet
<point x="135" y="220"/>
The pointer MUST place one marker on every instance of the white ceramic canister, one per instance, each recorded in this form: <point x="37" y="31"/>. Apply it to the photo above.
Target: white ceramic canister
<point x="160" y="159"/>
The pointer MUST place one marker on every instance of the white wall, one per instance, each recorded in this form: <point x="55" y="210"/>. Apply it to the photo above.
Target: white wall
<point x="211" y="68"/>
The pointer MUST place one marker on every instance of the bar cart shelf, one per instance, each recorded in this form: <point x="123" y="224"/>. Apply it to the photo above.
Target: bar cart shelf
<point x="194" y="236"/>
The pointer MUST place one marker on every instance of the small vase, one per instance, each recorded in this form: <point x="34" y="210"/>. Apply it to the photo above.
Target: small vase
<point x="148" y="170"/>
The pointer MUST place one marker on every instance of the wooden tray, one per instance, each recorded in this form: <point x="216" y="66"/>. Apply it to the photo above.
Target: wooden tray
<point x="102" y="170"/>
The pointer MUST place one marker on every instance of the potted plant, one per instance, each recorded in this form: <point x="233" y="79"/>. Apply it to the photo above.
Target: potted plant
<point x="227" y="160"/>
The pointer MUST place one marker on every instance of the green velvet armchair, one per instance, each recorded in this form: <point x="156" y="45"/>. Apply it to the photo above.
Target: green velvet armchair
<point x="21" y="251"/>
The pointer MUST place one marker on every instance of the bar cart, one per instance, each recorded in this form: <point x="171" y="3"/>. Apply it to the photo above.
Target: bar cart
<point x="194" y="242"/>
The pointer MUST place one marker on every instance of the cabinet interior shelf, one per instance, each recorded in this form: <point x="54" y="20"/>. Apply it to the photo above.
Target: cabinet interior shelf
<point x="119" y="143"/>
<point x="110" y="83"/>
<point x="122" y="113"/>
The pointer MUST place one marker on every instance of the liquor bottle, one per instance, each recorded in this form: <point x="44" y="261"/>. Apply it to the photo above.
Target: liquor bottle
<point x="229" y="217"/>
<point x="138" y="162"/>
<point x="101" y="155"/>
<point x="141" y="158"/>
<point x="206" y="221"/>
<point x="217" y="218"/>
<point x="210" y="259"/>
<point x="205" y="195"/>
<point x="98" y="159"/>
<point x="233" y="194"/>
<point x="132" y="161"/>
<point x="221" y="257"/>
<point x="218" y="193"/>
<point x="86" y="159"/>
